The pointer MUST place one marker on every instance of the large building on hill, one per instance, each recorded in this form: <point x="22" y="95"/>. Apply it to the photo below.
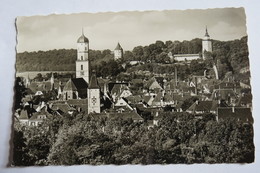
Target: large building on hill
<point x="82" y="63"/>
<point x="206" y="46"/>
<point x="206" y="43"/>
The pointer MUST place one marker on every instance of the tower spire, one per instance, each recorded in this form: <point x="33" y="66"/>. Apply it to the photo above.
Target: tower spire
<point x="207" y="34"/>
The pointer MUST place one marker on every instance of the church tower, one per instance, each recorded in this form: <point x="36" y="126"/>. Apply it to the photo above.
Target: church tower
<point x="93" y="95"/>
<point x="82" y="63"/>
<point x="118" y="52"/>
<point x="206" y="43"/>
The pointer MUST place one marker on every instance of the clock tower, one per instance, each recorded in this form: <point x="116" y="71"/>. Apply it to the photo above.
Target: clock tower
<point x="93" y="95"/>
<point x="82" y="63"/>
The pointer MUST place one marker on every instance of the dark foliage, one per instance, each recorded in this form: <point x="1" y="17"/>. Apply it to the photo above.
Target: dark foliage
<point x="179" y="138"/>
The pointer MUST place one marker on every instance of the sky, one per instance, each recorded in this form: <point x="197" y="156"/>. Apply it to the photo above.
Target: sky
<point x="130" y="29"/>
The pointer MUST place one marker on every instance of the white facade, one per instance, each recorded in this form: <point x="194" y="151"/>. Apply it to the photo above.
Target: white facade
<point x="186" y="57"/>
<point x="94" y="100"/>
<point x="82" y="63"/>
<point x="206" y="44"/>
<point x="118" y="54"/>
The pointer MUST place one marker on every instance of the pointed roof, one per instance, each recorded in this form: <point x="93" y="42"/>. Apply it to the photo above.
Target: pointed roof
<point x="118" y="47"/>
<point x="93" y="84"/>
<point x="206" y="34"/>
<point x="82" y="38"/>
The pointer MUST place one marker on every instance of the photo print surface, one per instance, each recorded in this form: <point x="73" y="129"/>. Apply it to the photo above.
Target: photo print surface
<point x="150" y="87"/>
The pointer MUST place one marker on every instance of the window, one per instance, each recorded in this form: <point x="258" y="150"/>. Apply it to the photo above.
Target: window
<point x="81" y="67"/>
<point x="81" y="57"/>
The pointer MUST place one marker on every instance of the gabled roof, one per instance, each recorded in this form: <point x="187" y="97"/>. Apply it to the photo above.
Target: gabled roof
<point x="80" y="83"/>
<point x="64" y="107"/>
<point x="75" y="84"/>
<point x="240" y="113"/>
<point x="158" y="80"/>
<point x="204" y="106"/>
<point x="118" y="88"/>
<point x="146" y="99"/>
<point x="70" y="86"/>
<point x="245" y="99"/>
<point x="134" y="99"/>
<point x="24" y="115"/>
<point x="223" y="94"/>
<point x="42" y="86"/>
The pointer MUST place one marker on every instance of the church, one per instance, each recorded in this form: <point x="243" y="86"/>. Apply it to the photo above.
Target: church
<point x="84" y="86"/>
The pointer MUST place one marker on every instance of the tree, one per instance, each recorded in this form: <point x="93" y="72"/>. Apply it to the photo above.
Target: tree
<point x="20" y="150"/>
<point x="39" y="77"/>
<point x="20" y="92"/>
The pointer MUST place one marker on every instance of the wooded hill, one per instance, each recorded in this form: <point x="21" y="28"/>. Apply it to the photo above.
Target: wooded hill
<point x="231" y="55"/>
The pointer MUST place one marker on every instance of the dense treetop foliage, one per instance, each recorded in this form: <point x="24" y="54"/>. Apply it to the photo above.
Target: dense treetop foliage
<point x="179" y="138"/>
<point x="227" y="55"/>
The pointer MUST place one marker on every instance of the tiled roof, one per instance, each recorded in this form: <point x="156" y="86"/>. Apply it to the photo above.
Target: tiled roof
<point x="70" y="86"/>
<point x="223" y="94"/>
<point x="112" y="84"/>
<point x="118" y="88"/>
<point x="245" y="99"/>
<point x="204" y="106"/>
<point x="75" y="84"/>
<point x="240" y="113"/>
<point x="134" y="99"/>
<point x="42" y="86"/>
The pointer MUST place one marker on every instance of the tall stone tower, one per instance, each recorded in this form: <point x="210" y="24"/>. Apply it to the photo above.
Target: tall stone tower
<point x="93" y="95"/>
<point x="206" y="43"/>
<point x="118" y="52"/>
<point x="82" y="63"/>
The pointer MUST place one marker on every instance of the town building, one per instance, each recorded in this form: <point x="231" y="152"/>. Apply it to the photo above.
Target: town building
<point x="93" y="95"/>
<point x="206" y="44"/>
<point x="82" y="63"/>
<point x="118" y="52"/>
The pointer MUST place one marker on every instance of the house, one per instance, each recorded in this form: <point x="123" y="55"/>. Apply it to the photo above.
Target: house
<point x="224" y="94"/>
<point x="245" y="100"/>
<point x="200" y="107"/>
<point x="155" y="84"/>
<point x="35" y="118"/>
<point x="122" y="105"/>
<point x="75" y="88"/>
<point x="162" y="99"/>
<point x="238" y="113"/>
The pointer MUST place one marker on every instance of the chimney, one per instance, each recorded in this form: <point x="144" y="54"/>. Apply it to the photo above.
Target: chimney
<point x="196" y="86"/>
<point x="233" y="109"/>
<point x="176" y="80"/>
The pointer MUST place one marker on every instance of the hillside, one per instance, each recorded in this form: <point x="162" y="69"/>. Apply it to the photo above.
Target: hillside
<point x="229" y="55"/>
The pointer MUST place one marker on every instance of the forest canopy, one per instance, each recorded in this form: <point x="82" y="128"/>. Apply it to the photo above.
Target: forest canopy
<point x="228" y="55"/>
